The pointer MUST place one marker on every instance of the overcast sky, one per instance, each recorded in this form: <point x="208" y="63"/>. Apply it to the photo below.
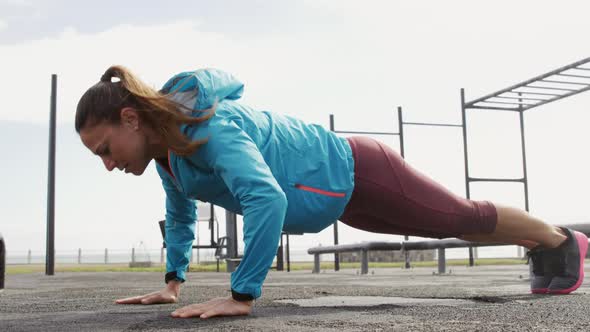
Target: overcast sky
<point x="303" y="58"/>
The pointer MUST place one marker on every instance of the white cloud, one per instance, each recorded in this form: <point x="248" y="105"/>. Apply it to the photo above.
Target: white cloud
<point x="363" y="61"/>
<point x="22" y="3"/>
<point x="154" y="53"/>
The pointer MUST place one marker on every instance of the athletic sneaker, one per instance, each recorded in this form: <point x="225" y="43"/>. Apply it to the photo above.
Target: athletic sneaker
<point x="539" y="281"/>
<point x="565" y="263"/>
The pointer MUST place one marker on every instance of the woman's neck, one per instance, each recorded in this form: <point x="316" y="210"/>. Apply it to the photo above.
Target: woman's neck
<point x="156" y="145"/>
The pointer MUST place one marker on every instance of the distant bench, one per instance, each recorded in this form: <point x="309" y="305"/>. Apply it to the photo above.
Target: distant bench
<point x="365" y="247"/>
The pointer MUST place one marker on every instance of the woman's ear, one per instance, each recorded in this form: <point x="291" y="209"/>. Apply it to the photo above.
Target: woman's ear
<point x="130" y="118"/>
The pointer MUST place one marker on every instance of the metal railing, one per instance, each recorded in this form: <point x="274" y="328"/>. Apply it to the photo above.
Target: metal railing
<point x="440" y="245"/>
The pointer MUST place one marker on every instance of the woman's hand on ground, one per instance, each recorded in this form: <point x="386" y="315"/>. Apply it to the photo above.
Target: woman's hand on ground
<point x="221" y="306"/>
<point x="167" y="295"/>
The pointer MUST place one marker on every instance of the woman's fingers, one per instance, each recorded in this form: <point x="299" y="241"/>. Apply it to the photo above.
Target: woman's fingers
<point x="130" y="300"/>
<point x="142" y="299"/>
<point x="190" y="310"/>
<point x="197" y="309"/>
<point x="228" y="308"/>
<point x="212" y="308"/>
<point x="215" y="311"/>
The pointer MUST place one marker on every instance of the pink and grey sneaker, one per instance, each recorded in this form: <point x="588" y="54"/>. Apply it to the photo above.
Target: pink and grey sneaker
<point x="539" y="280"/>
<point x="565" y="263"/>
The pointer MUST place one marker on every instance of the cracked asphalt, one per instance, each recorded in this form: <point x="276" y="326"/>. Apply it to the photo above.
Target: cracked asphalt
<point x="481" y="298"/>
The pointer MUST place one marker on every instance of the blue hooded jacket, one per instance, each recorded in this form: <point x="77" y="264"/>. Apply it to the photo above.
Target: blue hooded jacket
<point x="278" y="172"/>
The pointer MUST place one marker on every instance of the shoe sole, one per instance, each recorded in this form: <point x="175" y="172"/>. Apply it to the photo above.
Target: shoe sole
<point x="540" y="291"/>
<point x="582" y="241"/>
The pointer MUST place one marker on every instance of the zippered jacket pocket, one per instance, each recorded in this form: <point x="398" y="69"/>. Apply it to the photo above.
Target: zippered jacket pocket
<point x="319" y="191"/>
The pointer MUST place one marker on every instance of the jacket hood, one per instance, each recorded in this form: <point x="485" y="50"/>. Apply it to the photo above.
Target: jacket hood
<point x="201" y="89"/>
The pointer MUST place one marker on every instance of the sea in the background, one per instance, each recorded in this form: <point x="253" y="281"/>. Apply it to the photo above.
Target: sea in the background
<point x="97" y="256"/>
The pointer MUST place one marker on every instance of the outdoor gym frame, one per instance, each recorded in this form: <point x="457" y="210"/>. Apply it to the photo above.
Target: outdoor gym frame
<point x="540" y="90"/>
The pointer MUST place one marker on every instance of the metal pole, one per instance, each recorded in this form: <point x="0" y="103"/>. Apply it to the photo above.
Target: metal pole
<point x="401" y="131"/>
<point x="212" y="223"/>
<point x="280" y="265"/>
<point x="198" y="244"/>
<point x="336" y="255"/>
<point x="106" y="255"/>
<point x="441" y="261"/>
<point x="132" y="255"/>
<point x="79" y="255"/>
<point x="364" y="261"/>
<point x="50" y="241"/>
<point x="288" y="255"/>
<point x="29" y="257"/>
<point x="526" y="182"/>
<point x="232" y="241"/>
<point x="465" y="152"/>
<point x="402" y="152"/>
<point x="2" y="261"/>
<point x="524" y="168"/>
<point x="316" y="263"/>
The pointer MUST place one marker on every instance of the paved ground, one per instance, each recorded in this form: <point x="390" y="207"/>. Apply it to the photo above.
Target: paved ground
<point x="490" y="298"/>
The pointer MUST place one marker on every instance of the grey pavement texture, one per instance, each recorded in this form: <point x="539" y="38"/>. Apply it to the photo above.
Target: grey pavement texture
<point x="482" y="298"/>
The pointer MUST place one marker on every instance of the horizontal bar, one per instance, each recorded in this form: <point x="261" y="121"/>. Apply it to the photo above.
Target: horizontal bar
<point x="571" y="75"/>
<point x="562" y="82"/>
<point x="523" y="98"/>
<point x="537" y="93"/>
<point x="547" y="87"/>
<point x="207" y="247"/>
<point x="355" y="247"/>
<point x="406" y="245"/>
<point x="560" y="97"/>
<point x="494" y="180"/>
<point x="551" y="73"/>
<point x="503" y="102"/>
<point x="432" y="124"/>
<point x="445" y="244"/>
<point x="494" y="108"/>
<point x="364" y="132"/>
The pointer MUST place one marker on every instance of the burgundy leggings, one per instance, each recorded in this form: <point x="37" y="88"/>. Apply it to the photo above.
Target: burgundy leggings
<point x="392" y="197"/>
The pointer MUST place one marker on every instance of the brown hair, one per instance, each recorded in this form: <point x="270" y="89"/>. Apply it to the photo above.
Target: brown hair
<point x="104" y="101"/>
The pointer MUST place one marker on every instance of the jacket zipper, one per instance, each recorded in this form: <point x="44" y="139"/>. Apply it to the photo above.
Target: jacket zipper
<point x="319" y="191"/>
<point x="168" y="169"/>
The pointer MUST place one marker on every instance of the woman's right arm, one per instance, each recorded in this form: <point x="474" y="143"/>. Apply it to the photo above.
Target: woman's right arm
<point x="181" y="214"/>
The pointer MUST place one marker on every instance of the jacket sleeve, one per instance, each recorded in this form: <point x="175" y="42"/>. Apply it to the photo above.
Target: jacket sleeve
<point x="181" y="214"/>
<point x="236" y="159"/>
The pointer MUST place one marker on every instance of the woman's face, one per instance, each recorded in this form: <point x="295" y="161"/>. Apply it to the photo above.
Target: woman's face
<point x="123" y="146"/>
